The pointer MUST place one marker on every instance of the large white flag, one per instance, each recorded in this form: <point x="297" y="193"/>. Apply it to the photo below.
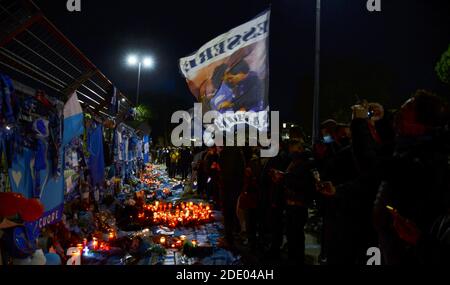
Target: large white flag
<point x="231" y="72"/>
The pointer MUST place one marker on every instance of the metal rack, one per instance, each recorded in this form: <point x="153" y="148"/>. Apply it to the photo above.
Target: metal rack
<point x="33" y="51"/>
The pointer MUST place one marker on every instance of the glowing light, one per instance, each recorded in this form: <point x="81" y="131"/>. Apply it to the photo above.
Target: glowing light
<point x="149" y="62"/>
<point x="132" y="60"/>
<point x="95" y="243"/>
<point x="181" y="214"/>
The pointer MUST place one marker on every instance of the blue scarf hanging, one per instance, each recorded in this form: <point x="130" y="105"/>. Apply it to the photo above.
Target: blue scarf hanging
<point x="39" y="165"/>
<point x="96" y="159"/>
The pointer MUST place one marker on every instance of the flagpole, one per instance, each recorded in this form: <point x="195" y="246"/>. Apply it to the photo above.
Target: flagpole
<point x="316" y="109"/>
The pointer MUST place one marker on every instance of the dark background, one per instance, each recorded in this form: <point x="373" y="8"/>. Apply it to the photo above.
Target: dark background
<point x="381" y="56"/>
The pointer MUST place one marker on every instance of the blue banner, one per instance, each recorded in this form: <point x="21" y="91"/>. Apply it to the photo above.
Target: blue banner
<point x="48" y="218"/>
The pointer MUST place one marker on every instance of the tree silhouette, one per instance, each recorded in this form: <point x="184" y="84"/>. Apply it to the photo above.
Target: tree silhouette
<point x="443" y="67"/>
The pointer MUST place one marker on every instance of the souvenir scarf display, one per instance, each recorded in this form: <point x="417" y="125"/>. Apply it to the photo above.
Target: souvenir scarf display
<point x="8" y="117"/>
<point x="40" y="129"/>
<point x="30" y="141"/>
<point x="126" y="152"/>
<point x="30" y="138"/>
<point x="75" y="164"/>
<point x="96" y="161"/>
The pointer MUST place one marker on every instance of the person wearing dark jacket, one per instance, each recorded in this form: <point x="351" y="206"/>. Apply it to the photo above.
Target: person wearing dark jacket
<point x="354" y="199"/>
<point x="231" y="179"/>
<point x="299" y="188"/>
<point x="202" y="176"/>
<point x="250" y="196"/>
<point x="185" y="162"/>
<point x="414" y="197"/>
<point x="169" y="166"/>
<point x="212" y="170"/>
<point x="335" y="163"/>
<point x="275" y="196"/>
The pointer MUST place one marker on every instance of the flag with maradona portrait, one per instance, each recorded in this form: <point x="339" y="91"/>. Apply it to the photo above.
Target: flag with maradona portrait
<point x="231" y="72"/>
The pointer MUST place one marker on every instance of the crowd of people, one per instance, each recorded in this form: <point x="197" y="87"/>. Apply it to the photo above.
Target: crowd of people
<point x="379" y="181"/>
<point x="177" y="160"/>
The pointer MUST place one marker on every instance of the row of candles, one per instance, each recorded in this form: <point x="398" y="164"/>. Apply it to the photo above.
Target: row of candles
<point x="83" y="249"/>
<point x="168" y="214"/>
<point x="175" y="243"/>
<point x="95" y="244"/>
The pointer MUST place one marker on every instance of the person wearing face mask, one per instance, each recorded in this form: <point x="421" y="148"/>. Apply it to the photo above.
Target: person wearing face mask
<point x="353" y="199"/>
<point x="412" y="209"/>
<point x="335" y="163"/>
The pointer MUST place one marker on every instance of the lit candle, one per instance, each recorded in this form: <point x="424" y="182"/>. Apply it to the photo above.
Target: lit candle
<point x="95" y="243"/>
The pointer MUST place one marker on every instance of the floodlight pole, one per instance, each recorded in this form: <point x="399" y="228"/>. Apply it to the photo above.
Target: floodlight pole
<point x="138" y="83"/>
<point x="316" y="104"/>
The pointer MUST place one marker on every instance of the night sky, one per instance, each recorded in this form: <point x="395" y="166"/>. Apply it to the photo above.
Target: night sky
<point x="379" y="56"/>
